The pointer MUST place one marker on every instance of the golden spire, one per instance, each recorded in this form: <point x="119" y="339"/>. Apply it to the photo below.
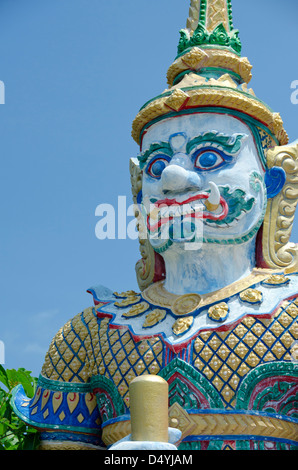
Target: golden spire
<point x="211" y="13"/>
<point x="210" y="24"/>
<point x="209" y="72"/>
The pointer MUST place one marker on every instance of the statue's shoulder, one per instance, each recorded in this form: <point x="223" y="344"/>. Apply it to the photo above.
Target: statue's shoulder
<point x="69" y="357"/>
<point x="66" y="358"/>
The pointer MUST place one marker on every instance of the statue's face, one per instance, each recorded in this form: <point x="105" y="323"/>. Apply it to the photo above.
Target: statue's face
<point x="203" y="181"/>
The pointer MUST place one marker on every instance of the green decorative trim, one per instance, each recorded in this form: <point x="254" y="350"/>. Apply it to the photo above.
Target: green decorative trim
<point x="209" y="72"/>
<point x="259" y="145"/>
<point x="230" y="14"/>
<point x="156" y="147"/>
<point x="218" y="37"/>
<point x="197" y="445"/>
<point x="277" y="392"/>
<point x="228" y="143"/>
<point x="196" y="378"/>
<point x="203" y="11"/>
<point x="57" y="386"/>
<point x="209" y="46"/>
<point x="262" y="372"/>
<point x="107" y="385"/>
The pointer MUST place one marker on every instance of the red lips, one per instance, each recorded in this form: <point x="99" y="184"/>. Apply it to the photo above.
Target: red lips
<point x="196" y="214"/>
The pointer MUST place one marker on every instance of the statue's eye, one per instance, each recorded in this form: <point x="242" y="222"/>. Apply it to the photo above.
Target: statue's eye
<point x="157" y="165"/>
<point x="207" y="159"/>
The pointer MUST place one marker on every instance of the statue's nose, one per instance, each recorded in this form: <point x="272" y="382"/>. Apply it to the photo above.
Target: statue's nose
<point x="177" y="179"/>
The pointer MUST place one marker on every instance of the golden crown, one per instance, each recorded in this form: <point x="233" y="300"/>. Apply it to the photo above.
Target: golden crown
<point x="209" y="73"/>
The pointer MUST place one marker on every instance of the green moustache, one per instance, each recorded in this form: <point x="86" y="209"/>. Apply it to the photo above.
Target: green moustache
<point x="237" y="204"/>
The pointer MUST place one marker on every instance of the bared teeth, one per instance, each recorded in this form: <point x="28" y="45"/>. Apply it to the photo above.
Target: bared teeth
<point x="213" y="201"/>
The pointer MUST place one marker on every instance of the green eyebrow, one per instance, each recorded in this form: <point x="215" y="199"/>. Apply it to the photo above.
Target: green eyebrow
<point x="159" y="146"/>
<point x="231" y="144"/>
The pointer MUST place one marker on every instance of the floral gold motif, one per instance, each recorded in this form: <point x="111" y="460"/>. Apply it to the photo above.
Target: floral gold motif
<point x="136" y="310"/>
<point x="124" y="295"/>
<point x="182" y="325"/>
<point x="128" y="301"/>
<point x="252" y="296"/>
<point x="276" y="280"/>
<point x="186" y="304"/>
<point x="219" y="312"/>
<point x="154" y="317"/>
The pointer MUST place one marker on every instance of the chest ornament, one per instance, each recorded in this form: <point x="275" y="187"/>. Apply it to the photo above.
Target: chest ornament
<point x="251" y="296"/>
<point x="156" y="316"/>
<point x="178" y="319"/>
<point x="219" y="313"/>
<point x="136" y="310"/>
<point x="276" y="280"/>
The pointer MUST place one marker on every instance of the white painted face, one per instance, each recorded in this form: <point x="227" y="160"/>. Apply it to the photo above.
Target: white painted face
<point x="202" y="181"/>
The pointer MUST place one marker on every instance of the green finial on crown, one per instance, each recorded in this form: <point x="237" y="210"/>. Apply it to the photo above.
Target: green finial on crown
<point x="210" y="24"/>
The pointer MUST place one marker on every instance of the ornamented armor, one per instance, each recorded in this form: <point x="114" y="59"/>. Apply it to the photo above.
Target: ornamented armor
<point x="216" y="320"/>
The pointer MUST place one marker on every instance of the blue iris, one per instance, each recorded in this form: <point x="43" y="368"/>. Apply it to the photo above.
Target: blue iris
<point x="208" y="159"/>
<point x="157" y="167"/>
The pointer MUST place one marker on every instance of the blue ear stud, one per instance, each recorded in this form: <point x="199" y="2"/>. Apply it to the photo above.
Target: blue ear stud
<point x="275" y="179"/>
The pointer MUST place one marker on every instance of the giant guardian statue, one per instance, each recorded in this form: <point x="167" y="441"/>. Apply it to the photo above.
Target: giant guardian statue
<point x="215" y="187"/>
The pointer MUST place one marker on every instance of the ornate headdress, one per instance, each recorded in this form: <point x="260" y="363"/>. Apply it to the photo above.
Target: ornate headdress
<point x="209" y="72"/>
<point x="209" y="75"/>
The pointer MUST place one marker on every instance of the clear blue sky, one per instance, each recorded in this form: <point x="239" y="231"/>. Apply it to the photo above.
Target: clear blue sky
<point x="76" y="72"/>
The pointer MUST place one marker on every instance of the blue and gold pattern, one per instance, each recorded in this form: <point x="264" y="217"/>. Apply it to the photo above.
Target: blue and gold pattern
<point x="67" y="407"/>
<point x="91" y="357"/>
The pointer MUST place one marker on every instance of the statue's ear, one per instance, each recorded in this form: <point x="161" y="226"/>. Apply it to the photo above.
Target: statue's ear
<point x="145" y="267"/>
<point x="275" y="179"/>
<point x="281" y="179"/>
<point x="150" y="268"/>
